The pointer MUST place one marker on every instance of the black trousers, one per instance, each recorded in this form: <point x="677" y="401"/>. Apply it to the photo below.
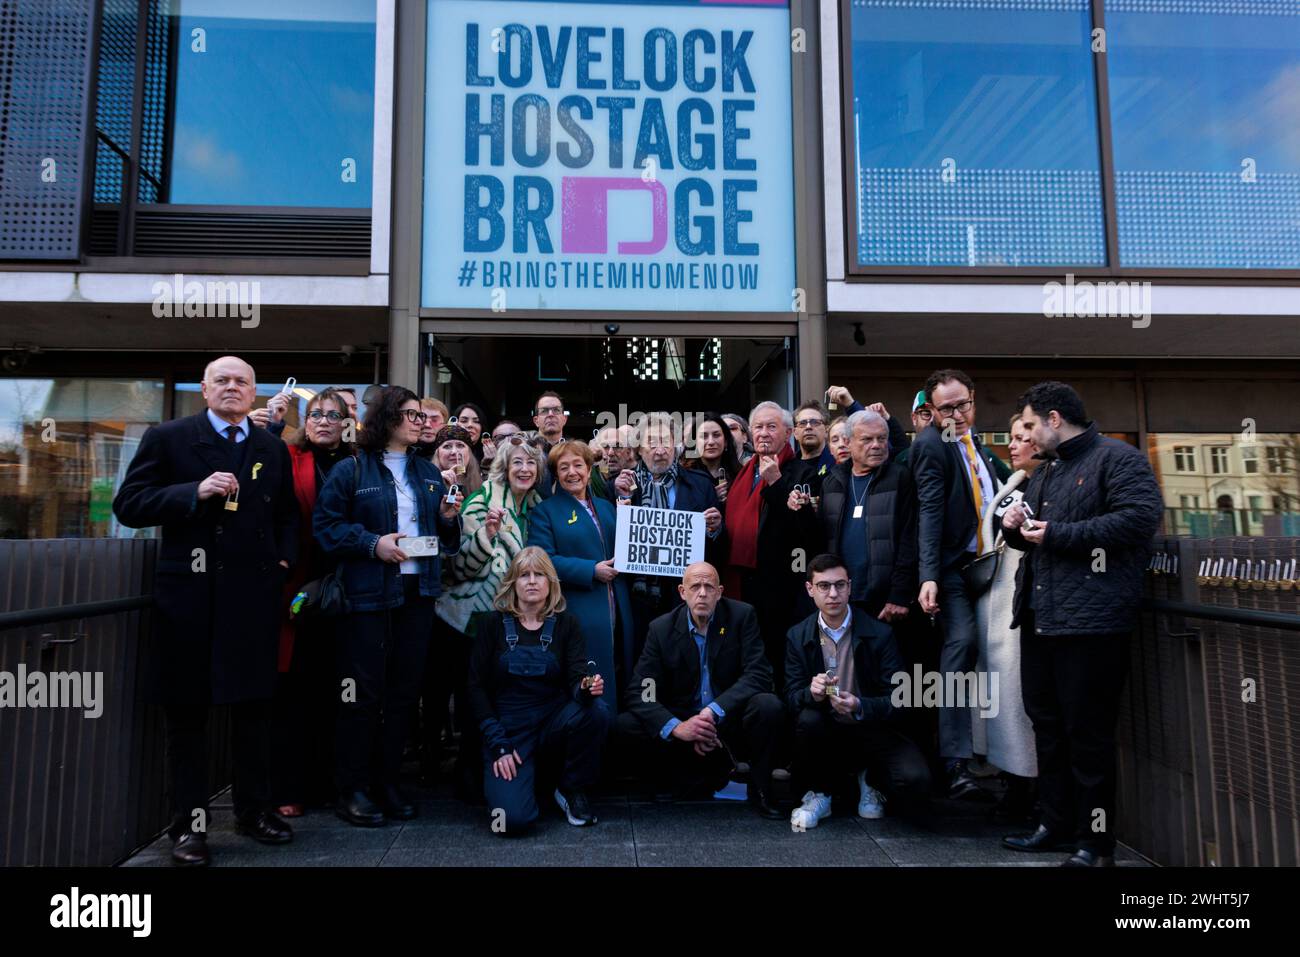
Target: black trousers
<point x="187" y="760"/>
<point x="827" y="750"/>
<point x="778" y="609"/>
<point x="751" y="731"/>
<point x="1071" y="686"/>
<point x="306" y="706"/>
<point x="384" y="653"/>
<point x="446" y="674"/>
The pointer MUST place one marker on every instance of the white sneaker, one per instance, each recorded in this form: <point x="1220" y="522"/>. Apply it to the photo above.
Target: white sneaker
<point x="871" y="803"/>
<point x="815" y="807"/>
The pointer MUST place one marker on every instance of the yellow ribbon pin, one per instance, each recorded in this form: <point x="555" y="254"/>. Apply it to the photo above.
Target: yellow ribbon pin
<point x="722" y="631"/>
<point x="574" y="517"/>
<point x="255" y="469"/>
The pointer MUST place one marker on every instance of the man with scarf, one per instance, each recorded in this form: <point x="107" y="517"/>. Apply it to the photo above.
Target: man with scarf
<point x="661" y="482"/>
<point x="770" y="541"/>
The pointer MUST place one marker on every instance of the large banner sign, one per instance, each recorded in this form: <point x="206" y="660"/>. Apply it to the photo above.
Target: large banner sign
<point x="608" y="155"/>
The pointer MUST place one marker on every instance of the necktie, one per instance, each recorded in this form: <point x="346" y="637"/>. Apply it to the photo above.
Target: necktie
<point x="977" y="490"/>
<point x="232" y="433"/>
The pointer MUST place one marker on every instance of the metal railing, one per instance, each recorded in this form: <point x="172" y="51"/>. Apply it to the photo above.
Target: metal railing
<point x="77" y="789"/>
<point x="1209" y="735"/>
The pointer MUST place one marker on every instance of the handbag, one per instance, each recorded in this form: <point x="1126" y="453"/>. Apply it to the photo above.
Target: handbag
<point x="978" y="573"/>
<point x="324" y="597"/>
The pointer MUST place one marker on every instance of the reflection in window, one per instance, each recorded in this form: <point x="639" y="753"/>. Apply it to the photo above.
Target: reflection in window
<point x="1205" y="108"/>
<point x="1231" y="501"/>
<point x="976" y="133"/>
<point x="273" y="102"/>
<point x="65" y="445"/>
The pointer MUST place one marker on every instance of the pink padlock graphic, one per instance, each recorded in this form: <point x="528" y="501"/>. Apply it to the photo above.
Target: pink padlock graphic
<point x="584" y="219"/>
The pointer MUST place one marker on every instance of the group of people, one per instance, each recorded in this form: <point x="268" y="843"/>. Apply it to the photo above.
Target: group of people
<point x="339" y="589"/>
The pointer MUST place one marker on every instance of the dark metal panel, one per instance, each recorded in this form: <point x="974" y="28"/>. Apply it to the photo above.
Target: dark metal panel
<point x="76" y="790"/>
<point x="44" y="119"/>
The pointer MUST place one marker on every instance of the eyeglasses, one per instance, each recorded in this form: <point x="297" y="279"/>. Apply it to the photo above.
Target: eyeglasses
<point x="924" y="413"/>
<point x="518" y="438"/>
<point x="946" y="411"/>
<point x="551" y="410"/>
<point x="805" y="423"/>
<point x="316" y="415"/>
<point x="414" y="416"/>
<point x="827" y="587"/>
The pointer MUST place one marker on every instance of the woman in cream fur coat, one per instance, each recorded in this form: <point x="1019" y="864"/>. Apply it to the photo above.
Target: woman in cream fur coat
<point x="1007" y="739"/>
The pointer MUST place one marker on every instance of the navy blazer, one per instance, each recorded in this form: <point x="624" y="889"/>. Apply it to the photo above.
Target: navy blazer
<point x="946" y="518"/>
<point x="562" y="527"/>
<point x="358" y="505"/>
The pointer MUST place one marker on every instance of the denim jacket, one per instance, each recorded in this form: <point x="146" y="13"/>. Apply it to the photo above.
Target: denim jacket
<point x="357" y="506"/>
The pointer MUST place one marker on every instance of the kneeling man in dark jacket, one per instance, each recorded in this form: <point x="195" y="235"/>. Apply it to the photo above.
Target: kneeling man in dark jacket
<point x="839" y="668"/>
<point x="1094" y="506"/>
<point x="702" y="687"/>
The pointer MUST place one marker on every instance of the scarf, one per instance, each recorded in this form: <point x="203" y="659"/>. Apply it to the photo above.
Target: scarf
<point x="745" y="509"/>
<point x="657" y="487"/>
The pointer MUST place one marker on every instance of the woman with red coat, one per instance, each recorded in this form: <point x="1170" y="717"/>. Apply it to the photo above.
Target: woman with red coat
<point x="306" y="690"/>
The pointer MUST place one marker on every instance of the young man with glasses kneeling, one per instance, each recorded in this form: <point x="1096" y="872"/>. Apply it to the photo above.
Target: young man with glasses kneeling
<point x="838" y="671"/>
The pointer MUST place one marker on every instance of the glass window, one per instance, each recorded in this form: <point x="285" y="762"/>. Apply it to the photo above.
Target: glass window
<point x="273" y="103"/>
<point x="975" y="132"/>
<point x="65" y="445"/>
<point x="1250" y="459"/>
<point x="1205" y="107"/>
<point x="1219" y="460"/>
<point x="1277" y="459"/>
<point x="1215" y="504"/>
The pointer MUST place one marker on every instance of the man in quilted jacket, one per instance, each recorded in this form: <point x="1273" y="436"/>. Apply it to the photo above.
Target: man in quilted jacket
<point x="1094" y="506"/>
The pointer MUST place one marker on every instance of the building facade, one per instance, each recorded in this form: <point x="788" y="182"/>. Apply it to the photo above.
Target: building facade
<point x="688" y="205"/>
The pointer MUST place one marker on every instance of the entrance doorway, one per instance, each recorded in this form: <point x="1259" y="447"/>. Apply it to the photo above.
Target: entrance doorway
<point x="594" y="374"/>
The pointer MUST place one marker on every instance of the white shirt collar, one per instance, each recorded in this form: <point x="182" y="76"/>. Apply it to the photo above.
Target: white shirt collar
<point x="836" y="633"/>
<point x="221" y="424"/>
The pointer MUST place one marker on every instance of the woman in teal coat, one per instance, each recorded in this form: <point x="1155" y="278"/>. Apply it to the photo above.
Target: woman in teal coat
<point x="577" y="529"/>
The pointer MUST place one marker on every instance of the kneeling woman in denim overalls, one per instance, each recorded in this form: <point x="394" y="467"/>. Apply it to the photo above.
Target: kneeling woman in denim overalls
<point x="534" y="699"/>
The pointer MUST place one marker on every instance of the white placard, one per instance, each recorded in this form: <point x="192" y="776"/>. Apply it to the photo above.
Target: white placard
<point x="657" y="541"/>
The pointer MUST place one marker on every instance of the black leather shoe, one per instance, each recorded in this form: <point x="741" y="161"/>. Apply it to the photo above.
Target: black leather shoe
<point x="395" y="804"/>
<point x="1041" y="840"/>
<point x="357" y="809"/>
<point x="961" y="783"/>
<point x="191" y="850"/>
<point x="762" y="803"/>
<point x="265" y="827"/>
<point x="573" y="802"/>
<point x="1086" y="858"/>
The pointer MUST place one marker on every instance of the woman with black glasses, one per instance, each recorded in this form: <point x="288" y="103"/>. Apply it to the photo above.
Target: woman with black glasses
<point x="305" y="693"/>
<point x="365" y="517"/>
